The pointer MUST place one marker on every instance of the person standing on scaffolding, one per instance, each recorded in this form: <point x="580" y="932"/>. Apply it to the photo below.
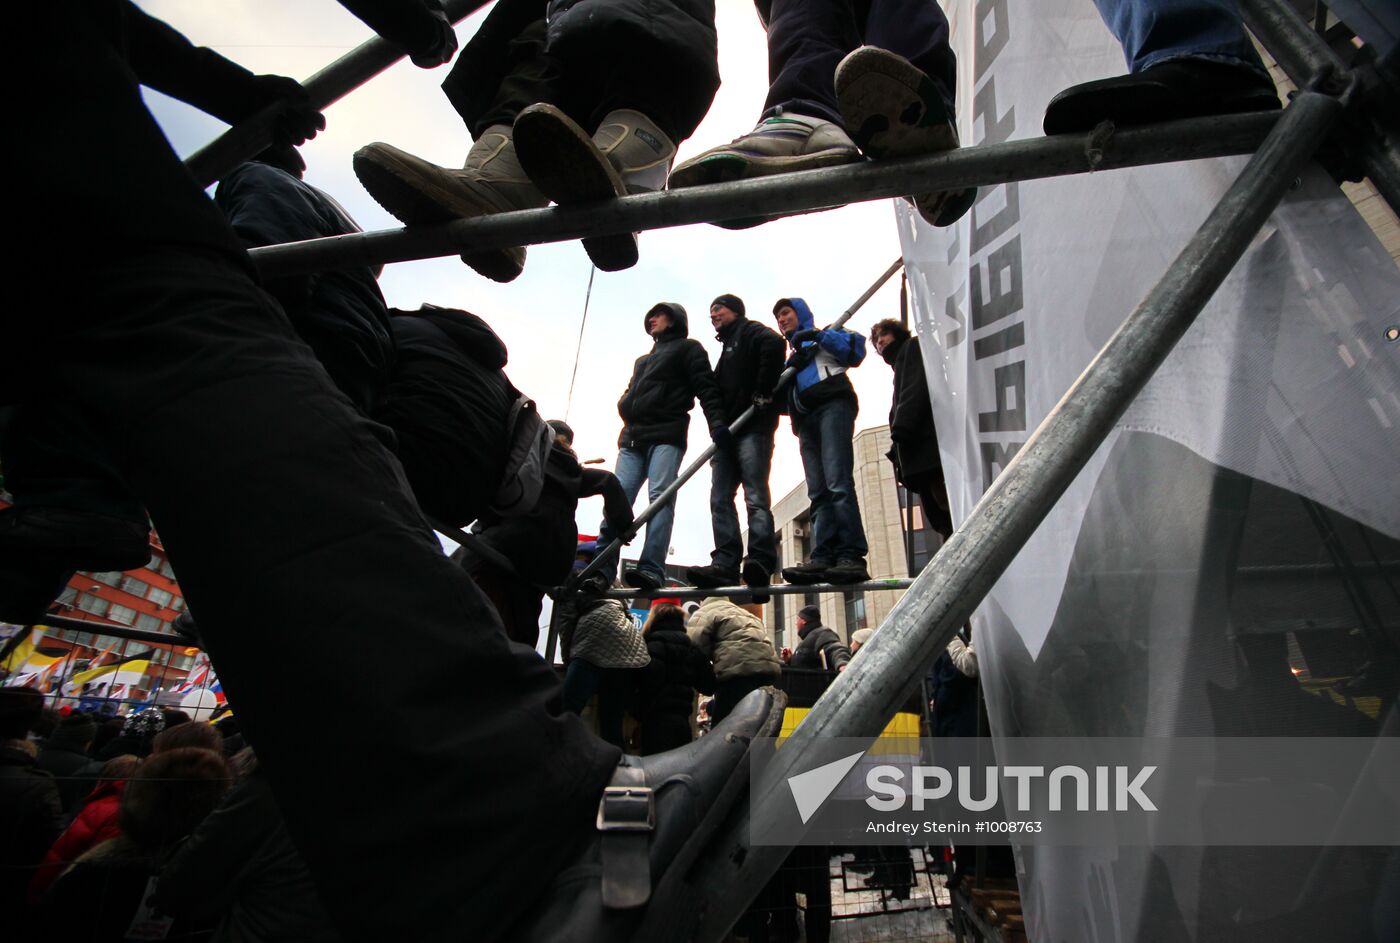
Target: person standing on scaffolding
<point x="833" y="101"/>
<point x="583" y="104"/>
<point x="822" y="405"/>
<point x="655" y="411"/>
<point x="747" y="371"/>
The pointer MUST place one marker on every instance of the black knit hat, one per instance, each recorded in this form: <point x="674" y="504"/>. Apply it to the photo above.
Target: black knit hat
<point x="810" y="614"/>
<point x="561" y="427"/>
<point x="732" y="302"/>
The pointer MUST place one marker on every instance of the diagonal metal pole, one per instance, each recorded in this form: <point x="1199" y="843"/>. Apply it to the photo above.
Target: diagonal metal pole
<point x="704" y="457"/>
<point x="216" y="159"/>
<point x="864" y="697"/>
<point x="784" y="194"/>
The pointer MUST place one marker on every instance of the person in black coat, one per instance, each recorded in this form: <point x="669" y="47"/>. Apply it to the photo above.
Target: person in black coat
<point x="666" y="695"/>
<point x="747" y="371"/>
<point x="65" y="756"/>
<point x="820" y="648"/>
<point x="914" y="454"/>
<point x="339" y="312"/>
<point x="516" y="559"/>
<point x="655" y="411"/>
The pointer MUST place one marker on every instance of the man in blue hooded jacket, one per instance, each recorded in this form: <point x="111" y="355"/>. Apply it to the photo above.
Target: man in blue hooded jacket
<point x="822" y="405"/>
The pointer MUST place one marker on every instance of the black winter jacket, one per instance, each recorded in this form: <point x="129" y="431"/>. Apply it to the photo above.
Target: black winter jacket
<point x="655" y="408"/>
<point x="915" y="451"/>
<point x="749" y="365"/>
<point x="447" y="403"/>
<point x="340" y="313"/>
<point x="666" y="694"/>
<point x="821" y="649"/>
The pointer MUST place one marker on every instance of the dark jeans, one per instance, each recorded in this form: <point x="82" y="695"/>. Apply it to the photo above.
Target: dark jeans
<point x="731" y="691"/>
<point x="614" y="687"/>
<point x="296" y="541"/>
<point x="808" y="38"/>
<point x="602" y="58"/>
<point x="828" y="460"/>
<point x="1154" y="31"/>
<point x="748" y="464"/>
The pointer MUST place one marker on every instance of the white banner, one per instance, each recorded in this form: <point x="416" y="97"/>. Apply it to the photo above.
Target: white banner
<point x="1158" y="573"/>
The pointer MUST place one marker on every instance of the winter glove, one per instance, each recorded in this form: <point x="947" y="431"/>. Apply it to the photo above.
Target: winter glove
<point x="802" y="337"/>
<point x="800" y="358"/>
<point x="444" y="44"/>
<point x="723" y="438"/>
<point x="296" y="120"/>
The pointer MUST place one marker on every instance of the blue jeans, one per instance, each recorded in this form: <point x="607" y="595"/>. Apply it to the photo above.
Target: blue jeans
<point x="657" y="465"/>
<point x="828" y="460"/>
<point x="807" y="38"/>
<point x="748" y="463"/>
<point x="1154" y="31"/>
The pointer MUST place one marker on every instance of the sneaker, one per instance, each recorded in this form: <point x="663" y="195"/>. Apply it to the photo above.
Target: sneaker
<point x="642" y="580"/>
<point x="894" y="110"/>
<point x="848" y="571"/>
<point x="1169" y="91"/>
<point x="781" y="144"/>
<point x="805" y="574"/>
<point x="417" y="191"/>
<point x="627" y="154"/>
<point x="707" y="577"/>
<point x="656" y="817"/>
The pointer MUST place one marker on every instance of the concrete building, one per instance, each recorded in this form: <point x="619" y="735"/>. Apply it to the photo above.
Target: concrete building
<point x="887" y="516"/>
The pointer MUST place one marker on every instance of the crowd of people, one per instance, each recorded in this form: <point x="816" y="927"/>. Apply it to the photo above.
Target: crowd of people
<point x="291" y="440"/>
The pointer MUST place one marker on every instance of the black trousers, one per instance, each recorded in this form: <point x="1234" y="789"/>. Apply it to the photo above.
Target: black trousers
<point x="808" y="38"/>
<point x="450" y="787"/>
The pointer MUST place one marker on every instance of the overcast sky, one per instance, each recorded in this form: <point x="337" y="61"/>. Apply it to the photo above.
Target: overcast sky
<point x="828" y="258"/>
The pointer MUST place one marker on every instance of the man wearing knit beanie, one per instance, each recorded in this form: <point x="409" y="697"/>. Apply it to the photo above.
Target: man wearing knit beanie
<point x="747" y="371"/>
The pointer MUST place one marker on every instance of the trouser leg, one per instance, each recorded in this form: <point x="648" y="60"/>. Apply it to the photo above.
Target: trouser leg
<point x="631" y="471"/>
<point x="1153" y="31"/>
<point x="51" y="459"/>
<point x="755" y="453"/>
<point x="806" y="40"/>
<point x="297" y="544"/>
<point x="837" y="420"/>
<point x="724" y="519"/>
<point x="916" y="30"/>
<point x="663" y="462"/>
<point x="809" y="438"/>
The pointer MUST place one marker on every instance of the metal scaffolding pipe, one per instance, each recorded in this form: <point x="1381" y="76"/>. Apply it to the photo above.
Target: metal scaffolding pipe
<point x="866" y="695"/>
<point x="704" y="457"/>
<point x="785" y="194"/>
<point x="1307" y="58"/>
<point x="113" y="629"/>
<point x="216" y="159"/>
<point x="777" y="589"/>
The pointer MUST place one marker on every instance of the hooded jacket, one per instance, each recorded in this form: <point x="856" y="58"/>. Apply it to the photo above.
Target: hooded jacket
<point x="655" y="408"/>
<point x="749" y="365"/>
<point x="915" y="450"/>
<point x="447" y="403"/>
<point x="734" y="639"/>
<point x="822" y="364"/>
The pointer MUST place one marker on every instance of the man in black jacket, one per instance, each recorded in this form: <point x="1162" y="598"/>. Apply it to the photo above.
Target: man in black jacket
<point x="747" y="370"/>
<point x="914" y="454"/>
<point x="821" y="648"/>
<point x="655" y="411"/>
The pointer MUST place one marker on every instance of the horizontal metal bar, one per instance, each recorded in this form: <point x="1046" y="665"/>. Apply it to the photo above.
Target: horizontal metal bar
<point x="785" y="194"/>
<point x="777" y="589"/>
<point x="669" y="493"/>
<point x="219" y="157"/>
<point x="115" y="630"/>
<point x="886" y="671"/>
